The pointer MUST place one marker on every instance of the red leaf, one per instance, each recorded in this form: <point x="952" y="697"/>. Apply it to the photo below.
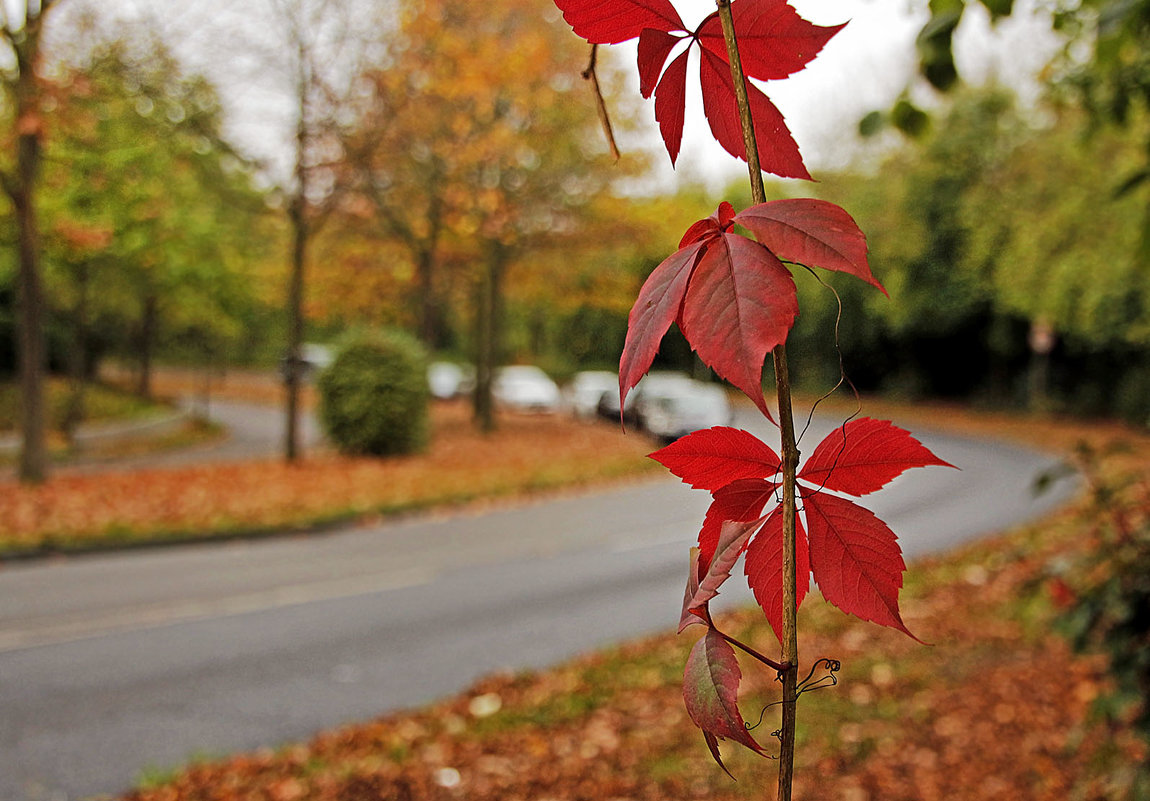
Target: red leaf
<point x="711" y="688"/>
<point x="671" y="103"/>
<point x="778" y="152"/>
<point x="688" y="617"/>
<point x="657" y="306"/>
<point x="811" y="232"/>
<point x="855" y="558"/>
<point x="864" y="456"/>
<point x="740" y="303"/>
<point x="614" y="21"/>
<point x="764" y="568"/>
<point x="732" y="540"/>
<point x="654" y="48"/>
<point x="741" y="500"/>
<point x="714" y="457"/>
<point x="714" y="225"/>
<point x="774" y="41"/>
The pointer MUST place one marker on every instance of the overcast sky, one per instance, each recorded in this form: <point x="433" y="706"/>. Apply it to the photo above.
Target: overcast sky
<point x="865" y="67"/>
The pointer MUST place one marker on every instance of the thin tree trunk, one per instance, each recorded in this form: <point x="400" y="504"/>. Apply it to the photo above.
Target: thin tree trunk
<point x="790" y="450"/>
<point x="21" y="190"/>
<point x="149" y="322"/>
<point x="32" y="348"/>
<point x="488" y="318"/>
<point x="292" y="365"/>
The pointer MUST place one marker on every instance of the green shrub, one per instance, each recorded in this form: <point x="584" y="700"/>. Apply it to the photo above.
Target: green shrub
<point x="374" y="396"/>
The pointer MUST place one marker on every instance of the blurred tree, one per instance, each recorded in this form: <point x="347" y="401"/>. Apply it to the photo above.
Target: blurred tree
<point x="21" y="28"/>
<point x="148" y="203"/>
<point x="473" y="148"/>
<point x="318" y="46"/>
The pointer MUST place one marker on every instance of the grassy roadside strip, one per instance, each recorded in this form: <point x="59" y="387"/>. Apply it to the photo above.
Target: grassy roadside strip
<point x="996" y="708"/>
<point x="123" y="508"/>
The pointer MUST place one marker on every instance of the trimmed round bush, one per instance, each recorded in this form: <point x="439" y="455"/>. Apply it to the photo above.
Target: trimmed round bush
<point x="374" y="395"/>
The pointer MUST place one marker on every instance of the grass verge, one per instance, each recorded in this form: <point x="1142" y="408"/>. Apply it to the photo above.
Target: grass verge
<point x="997" y="708"/>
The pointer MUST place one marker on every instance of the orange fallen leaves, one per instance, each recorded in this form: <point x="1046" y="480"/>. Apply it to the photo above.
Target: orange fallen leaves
<point x="528" y="453"/>
<point x="996" y="710"/>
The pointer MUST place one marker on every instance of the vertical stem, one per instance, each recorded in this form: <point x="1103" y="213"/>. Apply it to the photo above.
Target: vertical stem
<point x="790" y="450"/>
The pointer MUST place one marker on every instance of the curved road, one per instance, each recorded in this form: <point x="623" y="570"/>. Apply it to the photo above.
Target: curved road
<point x="114" y="664"/>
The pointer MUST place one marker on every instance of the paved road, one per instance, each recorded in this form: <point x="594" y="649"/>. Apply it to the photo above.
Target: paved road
<point x="116" y="663"/>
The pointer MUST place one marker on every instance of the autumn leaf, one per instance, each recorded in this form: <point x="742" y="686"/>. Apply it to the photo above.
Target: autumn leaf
<point x="865" y="455"/>
<point x="774" y="42"/>
<point x="732" y="297"/>
<point x="810" y="232"/>
<point x="763" y="568"/>
<point x="855" y="559"/>
<point x="778" y="151"/>
<point x="740" y="304"/>
<point x="741" y="501"/>
<point x="614" y="21"/>
<point x="714" y="457"/>
<point x="710" y="692"/>
<point x="732" y="539"/>
<point x="655" y="309"/>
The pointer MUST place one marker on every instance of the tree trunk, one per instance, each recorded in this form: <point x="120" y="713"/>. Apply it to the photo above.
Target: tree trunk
<point x="488" y="327"/>
<point x="430" y="314"/>
<point x="32" y="355"/>
<point x="146" y="344"/>
<point x="292" y="365"/>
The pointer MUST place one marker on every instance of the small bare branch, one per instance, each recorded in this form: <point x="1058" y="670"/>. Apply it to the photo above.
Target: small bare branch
<point x="589" y="74"/>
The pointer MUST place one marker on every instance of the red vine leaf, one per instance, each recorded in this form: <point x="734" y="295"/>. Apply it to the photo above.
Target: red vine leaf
<point x="764" y="568"/>
<point x="811" y="232"/>
<point x="732" y="540"/>
<point x="614" y="21"/>
<point x="855" y="558"/>
<point x="742" y="500"/>
<point x="774" y="41"/>
<point x="740" y="303"/>
<point x="864" y="456"/>
<point x="710" y="692"/>
<point x="654" y="48"/>
<point x="778" y="152"/>
<point x="657" y="306"/>
<point x="714" y="457"/>
<point x="670" y="104"/>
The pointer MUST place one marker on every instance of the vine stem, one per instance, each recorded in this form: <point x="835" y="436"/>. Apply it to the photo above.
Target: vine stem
<point x="790" y="451"/>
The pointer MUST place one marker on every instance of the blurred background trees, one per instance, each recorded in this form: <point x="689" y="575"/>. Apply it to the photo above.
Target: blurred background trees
<point x="467" y="196"/>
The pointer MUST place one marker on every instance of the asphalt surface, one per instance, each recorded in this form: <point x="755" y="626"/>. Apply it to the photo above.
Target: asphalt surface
<point x="116" y="664"/>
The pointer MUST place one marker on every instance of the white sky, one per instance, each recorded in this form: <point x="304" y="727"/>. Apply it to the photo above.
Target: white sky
<point x="864" y="67"/>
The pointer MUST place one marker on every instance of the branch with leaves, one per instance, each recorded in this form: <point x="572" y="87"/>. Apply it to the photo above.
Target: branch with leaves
<point x="734" y="299"/>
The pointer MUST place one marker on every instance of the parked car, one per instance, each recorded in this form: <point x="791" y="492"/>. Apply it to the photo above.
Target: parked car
<point x="587" y="389"/>
<point x="527" y="388"/>
<point x="673" y="410"/>
<point x="448" y="380"/>
<point x="655" y="381"/>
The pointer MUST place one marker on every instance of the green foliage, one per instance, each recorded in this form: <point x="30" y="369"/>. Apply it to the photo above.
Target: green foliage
<point x="151" y="223"/>
<point x="374" y="396"/>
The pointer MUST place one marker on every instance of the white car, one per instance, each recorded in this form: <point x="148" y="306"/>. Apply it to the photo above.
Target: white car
<point x="525" y="388"/>
<point x="587" y="389"/>
<point x="448" y="380"/>
<point x="676" y="409"/>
